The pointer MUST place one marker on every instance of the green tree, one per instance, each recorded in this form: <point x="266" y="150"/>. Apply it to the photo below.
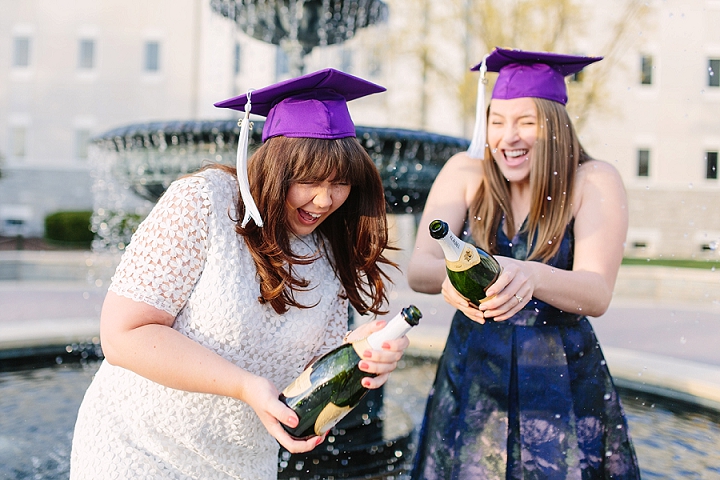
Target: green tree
<point x="475" y="27"/>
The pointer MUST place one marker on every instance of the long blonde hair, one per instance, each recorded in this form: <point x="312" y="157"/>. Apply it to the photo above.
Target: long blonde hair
<point x="557" y="153"/>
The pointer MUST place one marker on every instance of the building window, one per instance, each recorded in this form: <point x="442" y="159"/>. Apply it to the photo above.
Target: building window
<point x="282" y="63"/>
<point x="714" y="72"/>
<point x="152" y="56"/>
<point x="375" y="62"/>
<point x="18" y="142"/>
<point x="86" y="54"/>
<point x="711" y="165"/>
<point x="21" y="52"/>
<point x="643" y="157"/>
<point x="237" y="65"/>
<point x="646" y="70"/>
<point x="346" y="60"/>
<point x="82" y="140"/>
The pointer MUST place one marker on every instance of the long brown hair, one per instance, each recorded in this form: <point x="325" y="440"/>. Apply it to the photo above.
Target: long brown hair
<point x="354" y="237"/>
<point x="557" y="155"/>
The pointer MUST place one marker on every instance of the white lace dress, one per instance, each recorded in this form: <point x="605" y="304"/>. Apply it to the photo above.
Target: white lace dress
<point x="187" y="260"/>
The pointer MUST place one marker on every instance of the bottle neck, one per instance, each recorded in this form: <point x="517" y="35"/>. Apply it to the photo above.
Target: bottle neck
<point x="452" y="246"/>
<point x="396" y="328"/>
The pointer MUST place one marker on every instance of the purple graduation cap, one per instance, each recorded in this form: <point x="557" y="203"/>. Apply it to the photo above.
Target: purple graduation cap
<point x="523" y="74"/>
<point x="310" y="106"/>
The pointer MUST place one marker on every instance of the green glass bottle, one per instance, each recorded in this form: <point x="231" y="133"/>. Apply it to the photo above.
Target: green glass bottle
<point x="331" y="387"/>
<point x="471" y="270"/>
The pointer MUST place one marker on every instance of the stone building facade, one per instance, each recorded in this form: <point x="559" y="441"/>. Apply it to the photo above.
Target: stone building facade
<point x="70" y="70"/>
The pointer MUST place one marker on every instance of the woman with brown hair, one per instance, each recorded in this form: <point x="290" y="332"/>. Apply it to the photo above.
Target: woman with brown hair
<point x="522" y="389"/>
<point x="213" y="308"/>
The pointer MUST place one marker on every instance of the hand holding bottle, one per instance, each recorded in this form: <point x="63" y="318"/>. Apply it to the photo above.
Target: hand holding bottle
<point x="512" y="290"/>
<point x="471" y="270"/>
<point x="335" y="383"/>
<point x="262" y="396"/>
<point x="379" y="363"/>
<point x="480" y="285"/>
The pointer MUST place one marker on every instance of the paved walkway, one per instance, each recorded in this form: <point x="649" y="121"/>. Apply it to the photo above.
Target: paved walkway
<point x="654" y="345"/>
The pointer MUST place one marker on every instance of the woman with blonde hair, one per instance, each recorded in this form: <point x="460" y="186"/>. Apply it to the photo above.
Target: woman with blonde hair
<point x="522" y="389"/>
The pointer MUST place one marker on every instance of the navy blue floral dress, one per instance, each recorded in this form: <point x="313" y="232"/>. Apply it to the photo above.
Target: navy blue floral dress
<point x="527" y="398"/>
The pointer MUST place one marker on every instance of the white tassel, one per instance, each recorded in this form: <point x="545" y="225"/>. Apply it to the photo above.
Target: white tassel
<point x="477" y="144"/>
<point x="251" y="210"/>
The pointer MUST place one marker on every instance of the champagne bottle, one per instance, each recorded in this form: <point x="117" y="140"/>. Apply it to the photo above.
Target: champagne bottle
<point x="331" y="387"/>
<point x="471" y="270"/>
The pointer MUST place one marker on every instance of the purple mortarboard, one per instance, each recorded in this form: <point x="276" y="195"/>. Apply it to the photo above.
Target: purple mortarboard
<point x="523" y="74"/>
<point x="310" y="106"/>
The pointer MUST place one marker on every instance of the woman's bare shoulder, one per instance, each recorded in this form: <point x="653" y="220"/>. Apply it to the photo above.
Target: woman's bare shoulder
<point x="598" y="170"/>
<point x="598" y="181"/>
<point x="461" y="169"/>
<point x="462" y="160"/>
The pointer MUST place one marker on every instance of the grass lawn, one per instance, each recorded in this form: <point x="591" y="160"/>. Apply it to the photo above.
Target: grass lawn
<point x="673" y="262"/>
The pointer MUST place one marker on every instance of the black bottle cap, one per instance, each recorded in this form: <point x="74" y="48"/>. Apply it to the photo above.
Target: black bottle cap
<point x="438" y="229"/>
<point x="412" y="315"/>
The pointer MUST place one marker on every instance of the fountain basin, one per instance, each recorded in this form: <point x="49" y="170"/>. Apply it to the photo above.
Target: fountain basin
<point x="38" y="408"/>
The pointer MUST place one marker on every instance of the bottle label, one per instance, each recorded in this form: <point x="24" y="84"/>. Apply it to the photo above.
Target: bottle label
<point x="329" y="417"/>
<point x="300" y="385"/>
<point x="468" y="257"/>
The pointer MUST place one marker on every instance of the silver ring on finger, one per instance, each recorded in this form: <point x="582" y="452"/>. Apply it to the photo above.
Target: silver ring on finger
<point x="519" y="299"/>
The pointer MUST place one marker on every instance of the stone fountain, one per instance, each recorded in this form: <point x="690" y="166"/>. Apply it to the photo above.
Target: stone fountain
<point x="298" y="26"/>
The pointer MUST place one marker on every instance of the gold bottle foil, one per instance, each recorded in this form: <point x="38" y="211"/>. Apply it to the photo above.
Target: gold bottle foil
<point x="468" y="258"/>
